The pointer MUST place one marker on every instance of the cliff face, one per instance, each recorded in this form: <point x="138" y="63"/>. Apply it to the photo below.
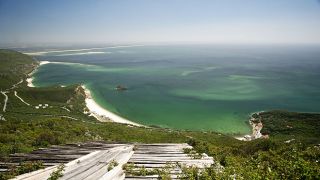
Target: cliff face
<point x="256" y="129"/>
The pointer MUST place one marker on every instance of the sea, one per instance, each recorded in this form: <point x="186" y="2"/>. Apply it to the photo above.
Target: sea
<point x="205" y="87"/>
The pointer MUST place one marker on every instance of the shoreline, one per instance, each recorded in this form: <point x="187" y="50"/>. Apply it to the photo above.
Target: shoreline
<point x="29" y="76"/>
<point x="95" y="110"/>
<point x="256" y="128"/>
<point x="30" y="79"/>
<point x="102" y="114"/>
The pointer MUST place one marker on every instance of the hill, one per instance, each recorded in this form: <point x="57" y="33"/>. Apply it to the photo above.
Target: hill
<point x="14" y="67"/>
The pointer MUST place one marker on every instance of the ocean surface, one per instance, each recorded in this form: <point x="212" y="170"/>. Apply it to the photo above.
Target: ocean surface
<point x="197" y="87"/>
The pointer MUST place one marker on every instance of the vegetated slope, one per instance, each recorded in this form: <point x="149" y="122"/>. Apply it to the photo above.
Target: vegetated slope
<point x="14" y="67"/>
<point x="291" y="126"/>
<point x="292" y="150"/>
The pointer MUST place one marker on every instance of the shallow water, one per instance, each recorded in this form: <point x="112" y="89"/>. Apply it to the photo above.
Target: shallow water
<point x="199" y="87"/>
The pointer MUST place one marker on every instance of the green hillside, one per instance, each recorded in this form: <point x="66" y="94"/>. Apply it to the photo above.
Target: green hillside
<point x="14" y="67"/>
<point x="292" y="150"/>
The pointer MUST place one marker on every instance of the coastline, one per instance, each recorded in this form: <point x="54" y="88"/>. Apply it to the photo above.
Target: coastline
<point x="256" y="128"/>
<point x="102" y="114"/>
<point x="30" y="79"/>
<point x="29" y="76"/>
<point x="95" y="110"/>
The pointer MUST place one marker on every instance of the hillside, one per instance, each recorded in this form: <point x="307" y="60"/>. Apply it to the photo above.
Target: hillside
<point x="291" y="125"/>
<point x="14" y="67"/>
<point x="292" y="150"/>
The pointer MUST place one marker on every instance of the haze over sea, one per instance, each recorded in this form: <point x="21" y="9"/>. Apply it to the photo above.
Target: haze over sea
<point x="198" y="87"/>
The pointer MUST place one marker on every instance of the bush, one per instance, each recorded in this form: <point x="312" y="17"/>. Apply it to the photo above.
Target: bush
<point x="45" y="139"/>
<point x="22" y="168"/>
<point x="112" y="164"/>
<point x="55" y="175"/>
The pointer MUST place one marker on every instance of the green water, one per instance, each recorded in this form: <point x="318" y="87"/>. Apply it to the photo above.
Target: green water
<point x="199" y="87"/>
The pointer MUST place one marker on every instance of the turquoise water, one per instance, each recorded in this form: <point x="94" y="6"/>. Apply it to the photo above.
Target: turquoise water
<point x="198" y="87"/>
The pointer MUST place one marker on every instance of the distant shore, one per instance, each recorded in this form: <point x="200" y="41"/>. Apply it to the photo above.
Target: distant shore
<point x="102" y="114"/>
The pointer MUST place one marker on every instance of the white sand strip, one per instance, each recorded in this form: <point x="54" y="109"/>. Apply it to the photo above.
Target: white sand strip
<point x="44" y="62"/>
<point x="30" y="78"/>
<point x="256" y="128"/>
<point x="102" y="114"/>
<point x="95" y="109"/>
<point x="29" y="81"/>
<point x="76" y="50"/>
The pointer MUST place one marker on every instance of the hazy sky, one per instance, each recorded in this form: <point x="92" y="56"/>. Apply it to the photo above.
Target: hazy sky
<point x="140" y="21"/>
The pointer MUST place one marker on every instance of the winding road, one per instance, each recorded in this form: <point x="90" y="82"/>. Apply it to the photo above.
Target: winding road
<point x="5" y="100"/>
<point x="6" y="96"/>
<point x="15" y="85"/>
<point x="16" y="94"/>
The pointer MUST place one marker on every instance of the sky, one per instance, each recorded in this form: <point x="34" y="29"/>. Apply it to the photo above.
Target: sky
<point x="41" y="22"/>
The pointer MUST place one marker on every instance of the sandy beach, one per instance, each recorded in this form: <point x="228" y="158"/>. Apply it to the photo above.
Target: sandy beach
<point x="102" y="114"/>
<point x="95" y="109"/>
<point x="30" y="78"/>
<point x="29" y="82"/>
<point x="256" y="128"/>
